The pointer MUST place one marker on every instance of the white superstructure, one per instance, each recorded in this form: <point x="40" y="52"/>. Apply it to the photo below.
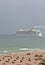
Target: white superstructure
<point x="32" y="31"/>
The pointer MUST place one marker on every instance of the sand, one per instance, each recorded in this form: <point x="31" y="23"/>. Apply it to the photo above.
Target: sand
<point x="24" y="58"/>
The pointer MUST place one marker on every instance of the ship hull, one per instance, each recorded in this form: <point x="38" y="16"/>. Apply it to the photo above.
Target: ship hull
<point x="26" y="33"/>
<point x="32" y="32"/>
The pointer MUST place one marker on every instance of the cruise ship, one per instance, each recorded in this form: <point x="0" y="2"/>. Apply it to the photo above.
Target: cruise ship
<point x="32" y="32"/>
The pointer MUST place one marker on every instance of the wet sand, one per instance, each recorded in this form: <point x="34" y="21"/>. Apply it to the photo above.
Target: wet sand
<point x="22" y="58"/>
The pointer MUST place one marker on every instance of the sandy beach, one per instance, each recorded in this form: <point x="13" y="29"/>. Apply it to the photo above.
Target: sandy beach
<point x="22" y="58"/>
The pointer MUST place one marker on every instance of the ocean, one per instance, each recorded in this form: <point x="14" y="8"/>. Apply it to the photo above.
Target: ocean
<point x="12" y="43"/>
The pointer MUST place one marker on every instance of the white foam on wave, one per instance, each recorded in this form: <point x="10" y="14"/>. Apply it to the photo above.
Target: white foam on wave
<point x="5" y="51"/>
<point x="28" y="49"/>
<point x="23" y="48"/>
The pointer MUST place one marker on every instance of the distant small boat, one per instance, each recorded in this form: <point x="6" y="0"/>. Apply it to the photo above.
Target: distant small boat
<point x="31" y="32"/>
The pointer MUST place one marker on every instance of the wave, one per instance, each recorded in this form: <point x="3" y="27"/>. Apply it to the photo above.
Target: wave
<point x="28" y="49"/>
<point x="7" y="51"/>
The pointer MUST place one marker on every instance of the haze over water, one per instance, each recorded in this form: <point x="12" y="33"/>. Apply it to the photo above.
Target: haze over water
<point x="21" y="14"/>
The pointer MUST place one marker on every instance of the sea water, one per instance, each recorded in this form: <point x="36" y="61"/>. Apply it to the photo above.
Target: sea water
<point x="13" y="43"/>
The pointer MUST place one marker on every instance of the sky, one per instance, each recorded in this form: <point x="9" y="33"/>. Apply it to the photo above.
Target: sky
<point x="21" y="14"/>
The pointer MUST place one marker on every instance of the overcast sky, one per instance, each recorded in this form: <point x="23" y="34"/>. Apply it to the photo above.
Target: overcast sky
<point x="21" y="14"/>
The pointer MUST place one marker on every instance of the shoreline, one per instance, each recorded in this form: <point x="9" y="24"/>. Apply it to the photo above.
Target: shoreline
<point x="21" y="50"/>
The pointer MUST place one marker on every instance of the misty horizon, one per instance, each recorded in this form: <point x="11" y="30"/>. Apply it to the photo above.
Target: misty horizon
<point x="21" y="14"/>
